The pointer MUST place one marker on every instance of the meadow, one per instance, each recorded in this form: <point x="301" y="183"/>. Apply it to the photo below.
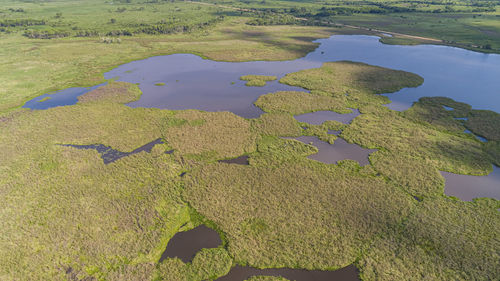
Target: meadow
<point x="67" y="215"/>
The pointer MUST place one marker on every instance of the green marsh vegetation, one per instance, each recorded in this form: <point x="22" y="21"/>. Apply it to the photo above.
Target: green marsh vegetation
<point x="257" y="80"/>
<point x="208" y="264"/>
<point x="114" y="92"/>
<point x="74" y="214"/>
<point x="337" y="86"/>
<point x="66" y="215"/>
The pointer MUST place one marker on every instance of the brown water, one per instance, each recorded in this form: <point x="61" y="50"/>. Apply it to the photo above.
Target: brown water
<point x="242" y="160"/>
<point x="241" y="273"/>
<point x="340" y="150"/>
<point x="185" y="245"/>
<point x="110" y="155"/>
<point x="318" y="117"/>
<point x="469" y="187"/>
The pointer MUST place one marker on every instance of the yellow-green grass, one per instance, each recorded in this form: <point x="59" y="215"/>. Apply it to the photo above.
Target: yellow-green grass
<point x="388" y="130"/>
<point x="277" y="124"/>
<point x="257" y="80"/>
<point x="345" y="77"/>
<point x="484" y="123"/>
<point x="116" y="92"/>
<point x="337" y="86"/>
<point x="67" y="215"/>
<point x="298" y="213"/>
<point x="64" y="210"/>
<point x="294" y="102"/>
<point x="443" y="239"/>
<point x="321" y="131"/>
<point x="208" y="264"/>
<point x="431" y="111"/>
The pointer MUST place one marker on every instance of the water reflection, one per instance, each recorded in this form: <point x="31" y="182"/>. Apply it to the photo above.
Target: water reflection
<point x="340" y="150"/>
<point x="469" y="187"/>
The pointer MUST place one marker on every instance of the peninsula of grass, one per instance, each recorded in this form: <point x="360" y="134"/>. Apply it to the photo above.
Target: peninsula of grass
<point x="44" y="99"/>
<point x="257" y="80"/>
<point x="115" y="92"/>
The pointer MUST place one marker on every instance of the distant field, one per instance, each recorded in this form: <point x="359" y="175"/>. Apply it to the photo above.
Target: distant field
<point x="468" y="24"/>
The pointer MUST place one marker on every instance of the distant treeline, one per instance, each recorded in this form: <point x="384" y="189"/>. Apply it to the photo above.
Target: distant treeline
<point x="273" y="19"/>
<point x="46" y="34"/>
<point x="162" y="27"/>
<point x="368" y="8"/>
<point x="21" y="22"/>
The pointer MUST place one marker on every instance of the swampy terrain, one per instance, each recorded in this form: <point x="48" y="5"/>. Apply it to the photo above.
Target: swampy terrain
<point x="248" y="141"/>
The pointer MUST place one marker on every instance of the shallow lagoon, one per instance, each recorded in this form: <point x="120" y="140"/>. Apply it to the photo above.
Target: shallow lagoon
<point x="192" y="82"/>
<point x="195" y="83"/>
<point x="340" y="150"/>
<point x="469" y="187"/>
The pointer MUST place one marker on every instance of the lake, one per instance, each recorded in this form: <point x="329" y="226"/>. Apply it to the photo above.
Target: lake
<point x="195" y="83"/>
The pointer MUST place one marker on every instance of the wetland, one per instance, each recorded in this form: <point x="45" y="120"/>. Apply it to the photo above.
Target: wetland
<point x="249" y="200"/>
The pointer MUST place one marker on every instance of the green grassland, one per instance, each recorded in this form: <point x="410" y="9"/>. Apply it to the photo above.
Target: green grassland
<point x="468" y="24"/>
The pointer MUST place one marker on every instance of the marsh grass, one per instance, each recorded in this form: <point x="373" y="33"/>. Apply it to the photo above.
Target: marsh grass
<point x="346" y="76"/>
<point x="430" y="244"/>
<point x="294" y="102"/>
<point x="257" y="80"/>
<point x="116" y="92"/>
<point x="277" y="124"/>
<point x="266" y="278"/>
<point x="484" y="123"/>
<point x="294" y="226"/>
<point x="208" y="264"/>
<point x="71" y="213"/>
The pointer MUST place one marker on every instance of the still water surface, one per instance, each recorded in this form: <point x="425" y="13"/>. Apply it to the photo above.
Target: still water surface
<point x="469" y="187"/>
<point x="195" y="83"/>
<point x="340" y="150"/>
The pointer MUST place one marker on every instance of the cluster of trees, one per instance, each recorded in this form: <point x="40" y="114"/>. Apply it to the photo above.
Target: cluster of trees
<point x="46" y="34"/>
<point x="162" y="27"/>
<point x="18" y="10"/>
<point x="110" y="40"/>
<point x="21" y="22"/>
<point x="273" y="19"/>
<point x="169" y="28"/>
